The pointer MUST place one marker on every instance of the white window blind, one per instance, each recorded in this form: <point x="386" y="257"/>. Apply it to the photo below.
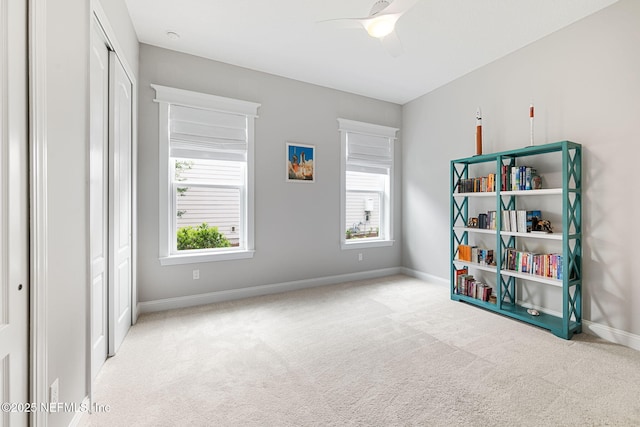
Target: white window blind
<point x="204" y="134"/>
<point x="369" y="153"/>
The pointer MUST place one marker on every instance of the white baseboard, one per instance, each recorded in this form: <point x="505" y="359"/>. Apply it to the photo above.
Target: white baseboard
<point x="425" y="276"/>
<point x="233" y="294"/>
<point x="134" y="319"/>
<point x="613" y="335"/>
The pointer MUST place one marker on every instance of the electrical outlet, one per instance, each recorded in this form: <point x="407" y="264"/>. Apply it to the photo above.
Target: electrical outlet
<point x="196" y="274"/>
<point x="360" y="257"/>
<point x="54" y="393"/>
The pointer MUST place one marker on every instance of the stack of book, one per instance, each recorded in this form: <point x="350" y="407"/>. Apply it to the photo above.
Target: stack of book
<point x="466" y="285"/>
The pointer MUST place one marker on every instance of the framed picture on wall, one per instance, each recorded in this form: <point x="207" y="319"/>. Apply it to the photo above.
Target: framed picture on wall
<point x="300" y="161"/>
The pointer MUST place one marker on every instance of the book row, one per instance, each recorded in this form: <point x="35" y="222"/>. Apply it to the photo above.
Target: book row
<point x="512" y="178"/>
<point x="545" y="265"/>
<point x="484" y="220"/>
<point x="521" y="221"/>
<point x="481" y="184"/>
<point x="475" y="254"/>
<point x="516" y="178"/>
<point x="467" y="285"/>
<point x="512" y="220"/>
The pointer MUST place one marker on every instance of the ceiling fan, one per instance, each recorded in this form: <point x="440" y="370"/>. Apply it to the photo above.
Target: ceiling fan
<point x="381" y="22"/>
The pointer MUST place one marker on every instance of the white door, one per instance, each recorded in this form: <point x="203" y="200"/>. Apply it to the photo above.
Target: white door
<point x="99" y="197"/>
<point x="120" y="137"/>
<point x="14" y="293"/>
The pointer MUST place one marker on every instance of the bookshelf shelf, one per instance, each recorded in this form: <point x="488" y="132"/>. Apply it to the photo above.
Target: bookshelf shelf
<point x="475" y="230"/>
<point x="564" y="267"/>
<point x="532" y="277"/>
<point x="476" y="194"/>
<point x="476" y="265"/>
<point x="541" y="192"/>
<point x="547" y="236"/>
<point x="534" y="235"/>
<point x="483" y="304"/>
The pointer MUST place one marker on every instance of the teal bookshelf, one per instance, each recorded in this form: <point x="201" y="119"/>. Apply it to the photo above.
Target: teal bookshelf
<point x="561" y="159"/>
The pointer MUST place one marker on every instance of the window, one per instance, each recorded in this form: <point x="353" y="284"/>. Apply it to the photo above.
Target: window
<point x="206" y="176"/>
<point x="366" y="196"/>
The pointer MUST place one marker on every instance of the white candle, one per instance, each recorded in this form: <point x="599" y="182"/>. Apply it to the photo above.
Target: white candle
<point x="531" y="114"/>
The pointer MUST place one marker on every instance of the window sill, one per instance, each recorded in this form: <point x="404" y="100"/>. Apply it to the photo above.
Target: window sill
<point x="205" y="257"/>
<point x="360" y="244"/>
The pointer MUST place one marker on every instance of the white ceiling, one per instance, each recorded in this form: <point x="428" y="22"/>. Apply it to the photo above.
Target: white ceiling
<point x="442" y="39"/>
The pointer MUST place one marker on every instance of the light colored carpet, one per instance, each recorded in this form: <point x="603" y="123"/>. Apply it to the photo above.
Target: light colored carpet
<point x="385" y="352"/>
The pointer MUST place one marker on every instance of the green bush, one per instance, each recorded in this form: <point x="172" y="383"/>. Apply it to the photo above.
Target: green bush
<point x="201" y="237"/>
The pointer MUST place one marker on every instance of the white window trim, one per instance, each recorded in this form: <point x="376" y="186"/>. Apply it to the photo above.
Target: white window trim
<point x="345" y="126"/>
<point x="165" y="96"/>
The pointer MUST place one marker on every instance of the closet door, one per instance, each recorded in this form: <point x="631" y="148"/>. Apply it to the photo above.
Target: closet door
<point x="14" y="214"/>
<point x="120" y="166"/>
<point x="99" y="197"/>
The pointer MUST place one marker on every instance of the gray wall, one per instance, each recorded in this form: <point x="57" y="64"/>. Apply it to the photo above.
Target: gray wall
<point x="66" y="133"/>
<point x="67" y="96"/>
<point x="297" y="226"/>
<point x="585" y="86"/>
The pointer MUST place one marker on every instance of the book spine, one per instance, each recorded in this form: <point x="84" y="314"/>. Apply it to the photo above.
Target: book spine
<point x="504" y="178"/>
<point x="532" y="220"/>
<point x="482" y="220"/>
<point x="459" y="273"/>
<point x="522" y="221"/>
<point x="521" y="178"/>
<point x="559" y="275"/>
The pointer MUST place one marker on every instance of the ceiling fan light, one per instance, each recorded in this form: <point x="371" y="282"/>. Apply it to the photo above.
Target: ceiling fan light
<point x="380" y="27"/>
